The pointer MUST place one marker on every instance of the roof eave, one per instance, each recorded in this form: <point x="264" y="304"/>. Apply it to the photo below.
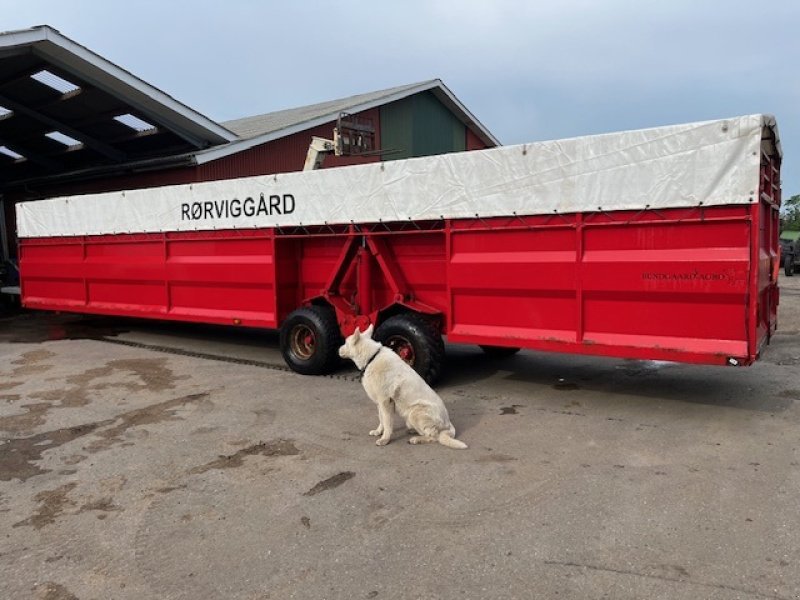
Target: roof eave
<point x="66" y="54"/>
<point x="90" y="173"/>
<point x="449" y="99"/>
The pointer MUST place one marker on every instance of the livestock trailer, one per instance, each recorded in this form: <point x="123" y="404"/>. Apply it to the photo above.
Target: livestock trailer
<point x="651" y="244"/>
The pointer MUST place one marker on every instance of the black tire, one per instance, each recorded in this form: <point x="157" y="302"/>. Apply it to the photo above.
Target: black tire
<point x="499" y="351"/>
<point x="310" y="340"/>
<point x="417" y="341"/>
<point x="788" y="265"/>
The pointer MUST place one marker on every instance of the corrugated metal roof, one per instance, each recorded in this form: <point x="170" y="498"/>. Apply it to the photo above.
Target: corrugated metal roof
<point x="250" y="127"/>
<point x="58" y="107"/>
<point x="790" y="236"/>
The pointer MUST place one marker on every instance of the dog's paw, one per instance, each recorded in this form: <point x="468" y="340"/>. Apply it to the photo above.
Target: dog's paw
<point x="381" y="442"/>
<point x="414" y="440"/>
<point x="375" y="432"/>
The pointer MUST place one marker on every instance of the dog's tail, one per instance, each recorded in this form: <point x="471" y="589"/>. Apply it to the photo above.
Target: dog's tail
<point x="446" y="439"/>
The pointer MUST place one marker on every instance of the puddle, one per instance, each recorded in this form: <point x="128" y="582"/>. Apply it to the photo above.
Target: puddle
<point x="30" y="363"/>
<point x="564" y="385"/>
<point x="51" y="505"/>
<point x="153" y="375"/>
<point x="33" y="417"/>
<point x="171" y="488"/>
<point x="73" y="459"/>
<point x="19" y="455"/>
<point x="495" y="458"/>
<point x="33" y="356"/>
<point x="154" y="413"/>
<point x="36" y="327"/>
<point x="274" y="448"/>
<point x="103" y="504"/>
<point x="56" y="591"/>
<point x="330" y="483"/>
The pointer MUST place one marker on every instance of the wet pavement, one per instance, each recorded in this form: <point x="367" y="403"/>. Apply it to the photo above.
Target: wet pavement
<point x="155" y="460"/>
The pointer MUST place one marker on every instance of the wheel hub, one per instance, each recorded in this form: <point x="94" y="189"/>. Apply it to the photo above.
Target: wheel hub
<point x="303" y="341"/>
<point x="402" y="347"/>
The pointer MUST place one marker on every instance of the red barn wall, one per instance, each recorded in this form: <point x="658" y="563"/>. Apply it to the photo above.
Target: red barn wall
<point x="283" y="155"/>
<point x="473" y="141"/>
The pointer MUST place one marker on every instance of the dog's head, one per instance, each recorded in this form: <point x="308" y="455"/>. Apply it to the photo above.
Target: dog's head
<point x="351" y="344"/>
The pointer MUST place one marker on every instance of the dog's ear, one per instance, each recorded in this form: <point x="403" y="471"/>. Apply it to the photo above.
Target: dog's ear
<point x="356" y="334"/>
<point x="368" y="331"/>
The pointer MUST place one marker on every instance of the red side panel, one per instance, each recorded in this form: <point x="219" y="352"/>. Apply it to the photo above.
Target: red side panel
<point x="670" y="284"/>
<point x="692" y="285"/>
<point x="215" y="277"/>
<point x="509" y="281"/>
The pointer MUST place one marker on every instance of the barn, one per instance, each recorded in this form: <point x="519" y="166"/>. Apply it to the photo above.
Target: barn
<point x="73" y="122"/>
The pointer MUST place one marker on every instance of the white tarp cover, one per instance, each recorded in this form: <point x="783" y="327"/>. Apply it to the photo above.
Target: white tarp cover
<point x="713" y="163"/>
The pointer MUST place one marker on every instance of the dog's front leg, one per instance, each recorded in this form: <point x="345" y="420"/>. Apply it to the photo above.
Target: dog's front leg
<point x="379" y="429"/>
<point x="385" y="416"/>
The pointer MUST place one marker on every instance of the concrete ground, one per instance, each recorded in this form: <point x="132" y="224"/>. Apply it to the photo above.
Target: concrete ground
<point x="129" y="472"/>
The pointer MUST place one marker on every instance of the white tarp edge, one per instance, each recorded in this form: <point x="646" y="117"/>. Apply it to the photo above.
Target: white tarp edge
<point x="713" y="163"/>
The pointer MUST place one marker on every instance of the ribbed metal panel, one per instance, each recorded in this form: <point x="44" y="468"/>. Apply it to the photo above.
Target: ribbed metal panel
<point x="397" y="126"/>
<point x="436" y="129"/>
<point x="420" y="125"/>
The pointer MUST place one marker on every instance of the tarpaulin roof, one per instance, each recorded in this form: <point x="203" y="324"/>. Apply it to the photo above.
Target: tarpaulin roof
<point x="691" y="165"/>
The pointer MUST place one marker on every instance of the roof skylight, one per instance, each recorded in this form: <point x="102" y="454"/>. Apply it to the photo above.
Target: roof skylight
<point x="55" y="82"/>
<point x="10" y="153"/>
<point x="134" y="123"/>
<point x="64" y="139"/>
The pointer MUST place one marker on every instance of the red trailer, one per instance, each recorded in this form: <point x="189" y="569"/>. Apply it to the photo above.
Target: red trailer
<point x="650" y="244"/>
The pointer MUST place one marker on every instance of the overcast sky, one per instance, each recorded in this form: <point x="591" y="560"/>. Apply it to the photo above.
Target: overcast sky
<point x="529" y="71"/>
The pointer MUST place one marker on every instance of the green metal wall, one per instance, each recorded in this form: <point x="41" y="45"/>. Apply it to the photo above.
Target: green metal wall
<point x="420" y="125"/>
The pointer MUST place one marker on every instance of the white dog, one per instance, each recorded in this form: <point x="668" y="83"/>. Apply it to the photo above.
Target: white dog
<point x="390" y="382"/>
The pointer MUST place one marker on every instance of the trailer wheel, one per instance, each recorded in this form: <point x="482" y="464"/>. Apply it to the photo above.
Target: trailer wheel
<point x="415" y="339"/>
<point x="499" y="351"/>
<point x="788" y="265"/>
<point x="310" y="340"/>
